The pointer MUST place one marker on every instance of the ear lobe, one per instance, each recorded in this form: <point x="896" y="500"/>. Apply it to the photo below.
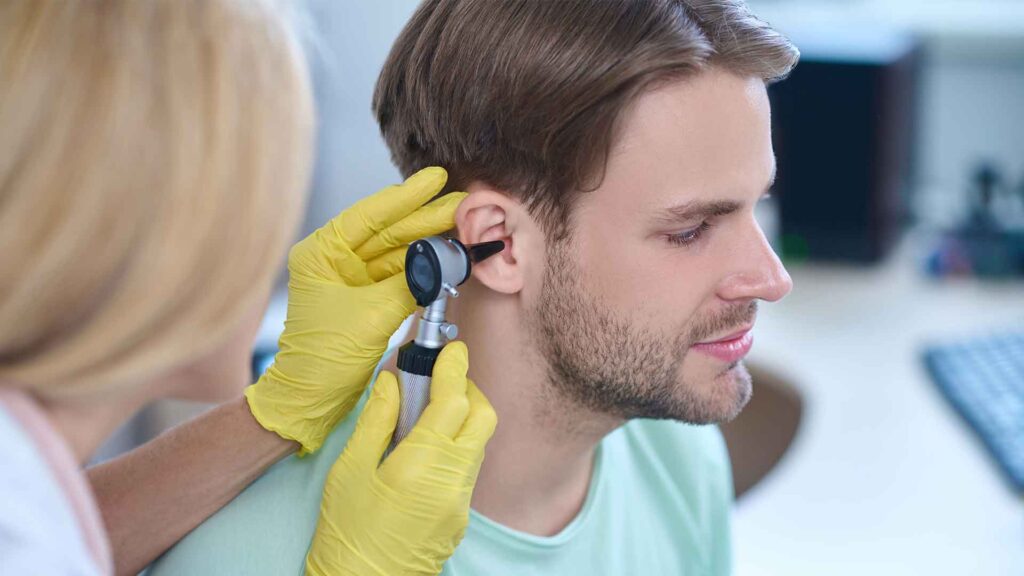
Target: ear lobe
<point x="485" y="216"/>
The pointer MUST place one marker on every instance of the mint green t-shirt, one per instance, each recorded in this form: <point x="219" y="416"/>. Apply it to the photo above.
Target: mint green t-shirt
<point x="659" y="503"/>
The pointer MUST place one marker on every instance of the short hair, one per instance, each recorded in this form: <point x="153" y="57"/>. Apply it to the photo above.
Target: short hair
<point x="154" y="157"/>
<point x="525" y="94"/>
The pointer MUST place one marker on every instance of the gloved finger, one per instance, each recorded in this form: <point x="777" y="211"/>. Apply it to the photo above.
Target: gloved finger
<point x="392" y="294"/>
<point x="350" y="268"/>
<point x="481" y="421"/>
<point x="387" y="265"/>
<point x="376" y="424"/>
<point x="448" y="405"/>
<point x="430" y="220"/>
<point x="374" y="213"/>
<point x="322" y="255"/>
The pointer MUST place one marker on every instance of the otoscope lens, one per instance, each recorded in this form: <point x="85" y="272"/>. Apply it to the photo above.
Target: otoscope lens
<point x="423" y="273"/>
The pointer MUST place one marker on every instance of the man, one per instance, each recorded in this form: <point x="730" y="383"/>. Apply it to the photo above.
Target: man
<point x="618" y="148"/>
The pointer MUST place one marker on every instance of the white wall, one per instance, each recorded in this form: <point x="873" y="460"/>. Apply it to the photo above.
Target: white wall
<point x="972" y="109"/>
<point x="352" y="42"/>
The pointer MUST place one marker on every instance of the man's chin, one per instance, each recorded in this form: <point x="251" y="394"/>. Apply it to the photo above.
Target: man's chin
<point x="736" y="389"/>
<point x="722" y="398"/>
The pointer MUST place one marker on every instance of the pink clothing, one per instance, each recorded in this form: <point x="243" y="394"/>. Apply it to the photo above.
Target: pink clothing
<point x="67" y="472"/>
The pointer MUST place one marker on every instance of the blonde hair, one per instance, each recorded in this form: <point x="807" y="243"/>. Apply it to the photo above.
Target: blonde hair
<point x="154" y="156"/>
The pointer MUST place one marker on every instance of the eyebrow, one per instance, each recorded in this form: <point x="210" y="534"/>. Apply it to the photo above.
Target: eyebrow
<point x="694" y="210"/>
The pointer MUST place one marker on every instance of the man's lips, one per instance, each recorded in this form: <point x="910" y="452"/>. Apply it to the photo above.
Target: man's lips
<point x="732" y="336"/>
<point x="730" y="349"/>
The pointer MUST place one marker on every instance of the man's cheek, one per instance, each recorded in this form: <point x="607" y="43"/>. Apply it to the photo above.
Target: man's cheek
<point x="672" y="308"/>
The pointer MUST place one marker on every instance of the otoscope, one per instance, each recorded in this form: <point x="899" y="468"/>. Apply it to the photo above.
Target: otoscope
<point x="434" y="267"/>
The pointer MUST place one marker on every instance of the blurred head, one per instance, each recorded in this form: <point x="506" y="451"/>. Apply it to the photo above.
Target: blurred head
<point x="154" y="161"/>
<point x="619" y="149"/>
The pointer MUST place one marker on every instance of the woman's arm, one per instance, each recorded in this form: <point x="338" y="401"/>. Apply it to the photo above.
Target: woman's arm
<point x="154" y="495"/>
<point x="346" y="294"/>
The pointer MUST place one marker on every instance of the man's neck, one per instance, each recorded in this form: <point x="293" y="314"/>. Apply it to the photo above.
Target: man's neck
<point x="537" y="470"/>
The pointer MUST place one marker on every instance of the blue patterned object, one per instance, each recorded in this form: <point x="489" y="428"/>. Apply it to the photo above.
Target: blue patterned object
<point x="984" y="380"/>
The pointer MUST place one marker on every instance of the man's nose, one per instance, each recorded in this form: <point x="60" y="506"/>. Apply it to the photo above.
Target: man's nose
<point x="758" y="273"/>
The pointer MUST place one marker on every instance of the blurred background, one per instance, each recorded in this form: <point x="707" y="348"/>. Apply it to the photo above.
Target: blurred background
<point x="887" y="428"/>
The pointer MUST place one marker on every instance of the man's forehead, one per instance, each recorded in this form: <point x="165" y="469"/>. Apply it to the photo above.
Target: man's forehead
<point x="695" y="141"/>
<point x="707" y="204"/>
<point x="715" y="100"/>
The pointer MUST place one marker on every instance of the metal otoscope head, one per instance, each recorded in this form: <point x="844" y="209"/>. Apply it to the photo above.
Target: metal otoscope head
<point x="435" y="266"/>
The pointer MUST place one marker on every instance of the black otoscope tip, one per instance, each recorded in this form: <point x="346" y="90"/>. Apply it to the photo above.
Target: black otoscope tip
<point x="484" y="250"/>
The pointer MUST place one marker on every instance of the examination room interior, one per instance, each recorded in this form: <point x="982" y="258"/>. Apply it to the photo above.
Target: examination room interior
<point x="886" y="431"/>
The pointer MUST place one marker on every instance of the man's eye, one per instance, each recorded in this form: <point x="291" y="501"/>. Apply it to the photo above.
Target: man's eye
<point x="690" y="236"/>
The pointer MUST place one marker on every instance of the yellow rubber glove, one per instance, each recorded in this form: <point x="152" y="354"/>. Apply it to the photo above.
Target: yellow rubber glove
<point x="408" y="515"/>
<point x="346" y="296"/>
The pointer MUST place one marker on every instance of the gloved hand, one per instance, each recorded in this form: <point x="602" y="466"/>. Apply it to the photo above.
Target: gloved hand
<point x="408" y="515"/>
<point x="346" y="296"/>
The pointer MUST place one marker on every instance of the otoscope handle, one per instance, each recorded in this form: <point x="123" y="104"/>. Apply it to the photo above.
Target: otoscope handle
<point x="415" y="392"/>
<point x="415" y="367"/>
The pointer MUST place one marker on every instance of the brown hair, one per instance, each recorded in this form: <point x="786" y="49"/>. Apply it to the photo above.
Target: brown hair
<point x="154" y="157"/>
<point x="525" y="94"/>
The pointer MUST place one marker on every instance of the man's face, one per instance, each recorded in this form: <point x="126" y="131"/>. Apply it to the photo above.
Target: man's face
<point x="666" y="257"/>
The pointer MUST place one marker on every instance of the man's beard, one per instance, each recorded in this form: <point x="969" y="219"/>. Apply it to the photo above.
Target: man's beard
<point x="605" y="363"/>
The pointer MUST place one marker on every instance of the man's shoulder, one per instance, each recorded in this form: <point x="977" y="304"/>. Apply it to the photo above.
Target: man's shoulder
<point x="671" y="483"/>
<point x="267" y="528"/>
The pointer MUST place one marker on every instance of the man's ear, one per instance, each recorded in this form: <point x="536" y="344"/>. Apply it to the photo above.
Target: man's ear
<point x="486" y="215"/>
